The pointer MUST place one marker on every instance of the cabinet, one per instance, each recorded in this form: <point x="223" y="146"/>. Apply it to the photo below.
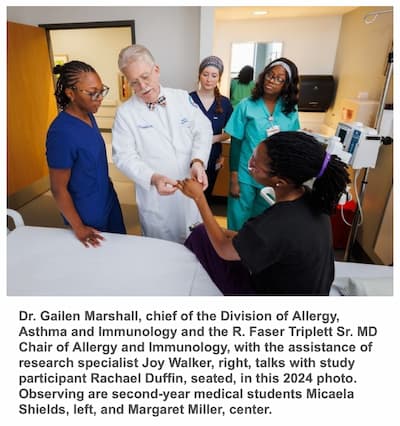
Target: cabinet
<point x="221" y="186"/>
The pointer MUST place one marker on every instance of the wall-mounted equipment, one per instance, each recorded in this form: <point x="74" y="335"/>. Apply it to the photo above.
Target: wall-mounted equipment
<point x="361" y="142"/>
<point x="363" y="110"/>
<point x="316" y="92"/>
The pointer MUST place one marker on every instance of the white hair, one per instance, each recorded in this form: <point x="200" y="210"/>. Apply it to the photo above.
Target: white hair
<point x="133" y="53"/>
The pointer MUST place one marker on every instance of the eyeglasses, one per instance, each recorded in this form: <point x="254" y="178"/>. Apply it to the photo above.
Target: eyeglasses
<point x="144" y="79"/>
<point x="272" y="77"/>
<point x="251" y="165"/>
<point x="94" y="95"/>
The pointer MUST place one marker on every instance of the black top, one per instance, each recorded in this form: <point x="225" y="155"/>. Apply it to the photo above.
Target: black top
<point x="288" y="249"/>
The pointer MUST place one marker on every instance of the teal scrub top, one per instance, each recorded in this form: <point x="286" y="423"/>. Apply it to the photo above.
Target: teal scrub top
<point x="249" y="123"/>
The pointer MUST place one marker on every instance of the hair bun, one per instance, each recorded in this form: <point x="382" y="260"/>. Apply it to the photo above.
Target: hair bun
<point x="58" y="69"/>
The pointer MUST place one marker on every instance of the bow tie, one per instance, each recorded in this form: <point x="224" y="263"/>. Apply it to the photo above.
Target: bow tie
<point x="160" y="101"/>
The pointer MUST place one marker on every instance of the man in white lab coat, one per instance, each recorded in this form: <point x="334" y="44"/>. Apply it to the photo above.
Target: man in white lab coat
<point x="159" y="136"/>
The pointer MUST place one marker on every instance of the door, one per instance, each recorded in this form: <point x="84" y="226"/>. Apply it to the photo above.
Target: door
<point x="31" y="106"/>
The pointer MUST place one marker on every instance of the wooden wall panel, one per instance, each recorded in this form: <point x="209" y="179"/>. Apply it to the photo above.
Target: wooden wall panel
<point x="384" y="241"/>
<point x="221" y="188"/>
<point x="31" y="105"/>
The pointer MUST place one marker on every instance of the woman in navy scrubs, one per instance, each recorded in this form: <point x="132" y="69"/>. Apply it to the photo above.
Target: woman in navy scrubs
<point x="77" y="159"/>
<point x="217" y="108"/>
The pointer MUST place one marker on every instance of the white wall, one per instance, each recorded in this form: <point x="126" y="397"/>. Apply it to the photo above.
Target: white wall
<point x="310" y="42"/>
<point x="171" y="33"/>
<point x="207" y="25"/>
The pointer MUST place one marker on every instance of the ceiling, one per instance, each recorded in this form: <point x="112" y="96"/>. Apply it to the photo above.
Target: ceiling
<point x="244" y="12"/>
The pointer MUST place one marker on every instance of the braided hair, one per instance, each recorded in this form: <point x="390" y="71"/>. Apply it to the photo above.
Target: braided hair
<point x="299" y="157"/>
<point x="290" y="89"/>
<point x="68" y="76"/>
<point x="218" y="99"/>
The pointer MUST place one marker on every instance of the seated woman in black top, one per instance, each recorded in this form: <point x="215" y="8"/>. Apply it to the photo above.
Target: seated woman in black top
<point x="287" y="250"/>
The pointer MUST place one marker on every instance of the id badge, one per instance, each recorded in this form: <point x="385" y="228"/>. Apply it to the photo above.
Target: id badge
<point x="272" y="130"/>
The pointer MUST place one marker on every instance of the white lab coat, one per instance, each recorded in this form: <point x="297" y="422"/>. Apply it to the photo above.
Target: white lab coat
<point x="142" y="146"/>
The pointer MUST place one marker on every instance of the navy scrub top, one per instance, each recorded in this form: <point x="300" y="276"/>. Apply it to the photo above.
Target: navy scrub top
<point x="218" y="120"/>
<point x="73" y="144"/>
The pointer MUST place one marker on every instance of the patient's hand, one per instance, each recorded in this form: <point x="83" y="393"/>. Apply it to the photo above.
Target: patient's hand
<point x="191" y="188"/>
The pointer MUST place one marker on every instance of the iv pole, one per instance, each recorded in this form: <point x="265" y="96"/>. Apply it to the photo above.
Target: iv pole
<point x="378" y="121"/>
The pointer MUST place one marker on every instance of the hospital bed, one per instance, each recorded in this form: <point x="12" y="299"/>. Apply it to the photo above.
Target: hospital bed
<point x="52" y="262"/>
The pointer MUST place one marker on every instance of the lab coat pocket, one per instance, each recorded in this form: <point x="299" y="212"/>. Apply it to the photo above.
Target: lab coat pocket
<point x="184" y="144"/>
<point x="145" y="130"/>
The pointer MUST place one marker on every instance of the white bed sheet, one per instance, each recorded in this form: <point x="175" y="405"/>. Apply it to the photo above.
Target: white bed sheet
<point x="52" y="262"/>
<point x="360" y="279"/>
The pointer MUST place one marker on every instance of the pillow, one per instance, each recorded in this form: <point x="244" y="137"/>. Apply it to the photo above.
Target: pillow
<point x="340" y="287"/>
<point x="377" y="286"/>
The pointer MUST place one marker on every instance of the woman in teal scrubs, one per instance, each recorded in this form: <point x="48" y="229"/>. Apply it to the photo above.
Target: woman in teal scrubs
<point x="271" y="108"/>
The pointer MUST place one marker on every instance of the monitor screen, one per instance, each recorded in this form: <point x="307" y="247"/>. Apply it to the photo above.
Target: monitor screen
<point x="342" y="134"/>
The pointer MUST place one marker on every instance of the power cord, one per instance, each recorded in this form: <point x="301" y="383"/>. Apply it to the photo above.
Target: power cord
<point x="358" y="198"/>
<point x="345" y="198"/>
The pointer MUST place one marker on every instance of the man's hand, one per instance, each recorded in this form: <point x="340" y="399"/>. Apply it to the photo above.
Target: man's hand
<point x="198" y="172"/>
<point x="163" y="184"/>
